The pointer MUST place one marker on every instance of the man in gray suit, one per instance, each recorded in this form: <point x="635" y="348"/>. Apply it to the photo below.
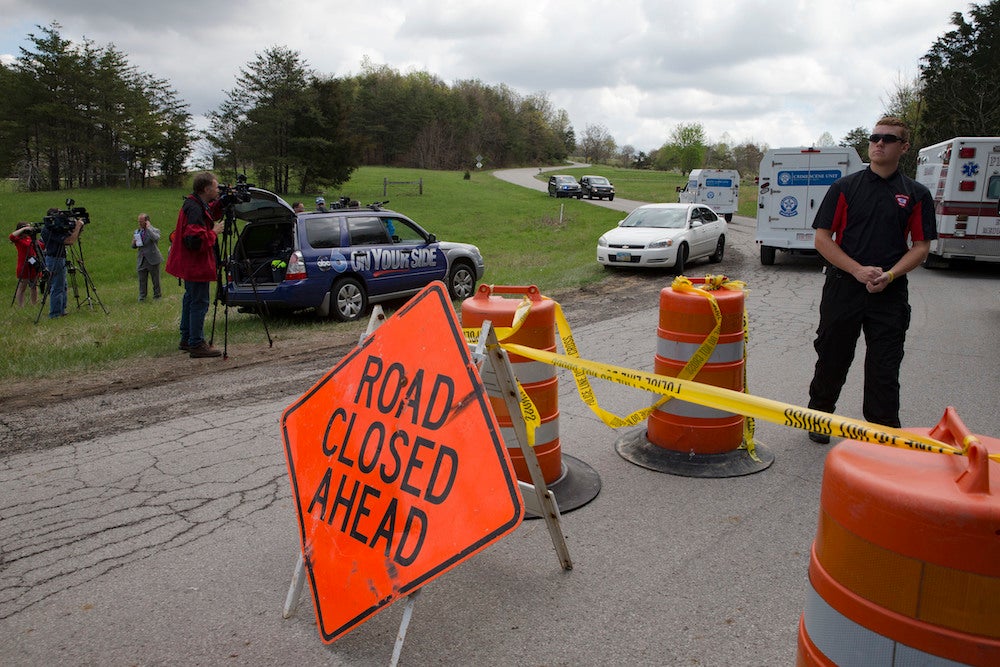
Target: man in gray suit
<point x="145" y="240"/>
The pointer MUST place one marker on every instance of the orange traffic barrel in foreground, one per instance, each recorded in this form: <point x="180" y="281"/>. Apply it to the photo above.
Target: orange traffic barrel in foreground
<point x="905" y="569"/>
<point x="687" y="438"/>
<point x="572" y="482"/>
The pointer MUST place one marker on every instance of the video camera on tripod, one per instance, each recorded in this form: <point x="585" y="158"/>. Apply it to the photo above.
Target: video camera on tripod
<point x="230" y="195"/>
<point x="64" y="221"/>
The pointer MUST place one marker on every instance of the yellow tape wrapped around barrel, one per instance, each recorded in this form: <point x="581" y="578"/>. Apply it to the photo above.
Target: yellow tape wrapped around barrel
<point x="530" y="321"/>
<point x="700" y="337"/>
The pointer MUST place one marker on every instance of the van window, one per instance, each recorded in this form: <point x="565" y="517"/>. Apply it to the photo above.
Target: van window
<point x="993" y="189"/>
<point x="367" y="231"/>
<point x="323" y="232"/>
<point x="402" y="232"/>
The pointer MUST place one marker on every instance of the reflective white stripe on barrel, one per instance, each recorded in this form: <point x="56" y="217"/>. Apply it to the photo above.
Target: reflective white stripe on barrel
<point x="530" y="372"/>
<point x="680" y="408"/>
<point x="848" y="644"/>
<point x="724" y="353"/>
<point x="545" y="433"/>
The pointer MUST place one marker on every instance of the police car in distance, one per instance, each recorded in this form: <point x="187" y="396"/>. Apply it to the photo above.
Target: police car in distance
<point x="337" y="261"/>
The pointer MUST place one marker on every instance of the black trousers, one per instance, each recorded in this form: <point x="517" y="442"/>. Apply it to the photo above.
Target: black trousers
<point x="846" y="310"/>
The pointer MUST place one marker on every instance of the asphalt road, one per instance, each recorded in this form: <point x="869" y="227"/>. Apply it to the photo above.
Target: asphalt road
<point x="175" y="543"/>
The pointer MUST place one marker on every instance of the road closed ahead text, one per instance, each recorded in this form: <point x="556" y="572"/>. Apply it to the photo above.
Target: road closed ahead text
<point x="387" y="439"/>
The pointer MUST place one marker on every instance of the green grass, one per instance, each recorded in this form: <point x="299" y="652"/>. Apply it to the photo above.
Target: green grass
<point x="520" y="232"/>
<point x="526" y="238"/>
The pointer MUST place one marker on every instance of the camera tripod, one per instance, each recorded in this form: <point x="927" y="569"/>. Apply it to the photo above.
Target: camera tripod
<point x="224" y="260"/>
<point x="75" y="265"/>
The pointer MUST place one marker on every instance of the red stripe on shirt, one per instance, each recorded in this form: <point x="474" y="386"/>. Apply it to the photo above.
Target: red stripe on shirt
<point x="839" y="219"/>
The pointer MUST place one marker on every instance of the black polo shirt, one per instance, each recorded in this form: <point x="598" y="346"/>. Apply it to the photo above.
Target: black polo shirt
<point x="873" y="219"/>
<point x="54" y="241"/>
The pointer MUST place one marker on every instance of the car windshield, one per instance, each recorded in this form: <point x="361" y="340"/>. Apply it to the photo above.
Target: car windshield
<point x="598" y="180"/>
<point x="660" y="218"/>
<point x="565" y="179"/>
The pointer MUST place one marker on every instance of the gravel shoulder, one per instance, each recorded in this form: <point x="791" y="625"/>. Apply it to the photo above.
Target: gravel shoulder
<point x="46" y="413"/>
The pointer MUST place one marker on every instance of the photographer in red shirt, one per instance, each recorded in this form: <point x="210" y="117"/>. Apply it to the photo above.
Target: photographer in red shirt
<point x="192" y="259"/>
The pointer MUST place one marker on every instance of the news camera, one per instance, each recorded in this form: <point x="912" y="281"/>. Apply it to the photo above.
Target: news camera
<point x="64" y="221"/>
<point x="230" y="195"/>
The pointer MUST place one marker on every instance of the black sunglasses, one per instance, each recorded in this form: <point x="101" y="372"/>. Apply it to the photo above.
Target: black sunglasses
<point x="887" y="138"/>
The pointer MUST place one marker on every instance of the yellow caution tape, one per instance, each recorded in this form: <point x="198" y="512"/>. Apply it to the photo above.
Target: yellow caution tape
<point x="754" y="406"/>
<point x="529" y="412"/>
<point x="688" y="390"/>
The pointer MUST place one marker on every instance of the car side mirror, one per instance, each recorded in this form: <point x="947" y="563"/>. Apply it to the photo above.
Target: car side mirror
<point x="431" y="238"/>
<point x="680" y="188"/>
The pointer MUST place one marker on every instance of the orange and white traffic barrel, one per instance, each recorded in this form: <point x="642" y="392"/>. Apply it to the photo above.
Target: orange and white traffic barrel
<point x="539" y="381"/>
<point x="688" y="438"/>
<point x="905" y="569"/>
<point x="686" y="319"/>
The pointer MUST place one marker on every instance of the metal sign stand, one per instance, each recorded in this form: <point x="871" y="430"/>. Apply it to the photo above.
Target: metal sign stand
<point x="495" y="367"/>
<point x="538" y="499"/>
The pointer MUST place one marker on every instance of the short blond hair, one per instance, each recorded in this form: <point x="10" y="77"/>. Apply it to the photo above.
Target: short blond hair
<point x="895" y="121"/>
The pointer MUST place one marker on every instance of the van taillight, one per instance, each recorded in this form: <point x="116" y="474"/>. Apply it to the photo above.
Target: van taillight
<point x="296" y="267"/>
<point x="967" y="151"/>
<point x="967" y="186"/>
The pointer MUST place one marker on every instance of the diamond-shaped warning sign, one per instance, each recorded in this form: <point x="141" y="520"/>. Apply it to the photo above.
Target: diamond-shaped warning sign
<point x="397" y="466"/>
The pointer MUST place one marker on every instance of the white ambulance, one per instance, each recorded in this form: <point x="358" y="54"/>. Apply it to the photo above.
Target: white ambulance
<point x="719" y="189"/>
<point x="790" y="188"/>
<point x="963" y="175"/>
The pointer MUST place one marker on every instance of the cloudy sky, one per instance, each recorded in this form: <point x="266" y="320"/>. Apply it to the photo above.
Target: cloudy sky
<point x="780" y="72"/>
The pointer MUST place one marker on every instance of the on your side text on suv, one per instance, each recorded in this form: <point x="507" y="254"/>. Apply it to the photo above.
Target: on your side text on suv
<point x="339" y="261"/>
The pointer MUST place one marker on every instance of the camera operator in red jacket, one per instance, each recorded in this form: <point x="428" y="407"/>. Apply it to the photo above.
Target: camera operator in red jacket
<point x="192" y="259"/>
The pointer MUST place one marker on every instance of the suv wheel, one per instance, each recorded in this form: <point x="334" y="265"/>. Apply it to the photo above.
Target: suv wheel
<point x="349" y="300"/>
<point x="461" y="281"/>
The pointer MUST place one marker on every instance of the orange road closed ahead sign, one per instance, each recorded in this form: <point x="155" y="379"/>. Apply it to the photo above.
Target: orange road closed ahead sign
<point x="397" y="466"/>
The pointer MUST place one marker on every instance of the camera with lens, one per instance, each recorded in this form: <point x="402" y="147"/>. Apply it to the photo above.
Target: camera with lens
<point x="230" y="195"/>
<point x="64" y="221"/>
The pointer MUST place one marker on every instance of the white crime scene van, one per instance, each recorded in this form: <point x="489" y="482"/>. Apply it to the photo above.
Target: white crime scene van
<point x="963" y="175"/>
<point x="719" y="189"/>
<point x="790" y="188"/>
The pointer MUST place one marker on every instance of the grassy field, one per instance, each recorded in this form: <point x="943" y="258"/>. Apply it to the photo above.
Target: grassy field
<point x="526" y="238"/>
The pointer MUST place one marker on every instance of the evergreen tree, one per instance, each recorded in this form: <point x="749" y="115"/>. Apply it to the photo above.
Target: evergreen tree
<point x="961" y="77"/>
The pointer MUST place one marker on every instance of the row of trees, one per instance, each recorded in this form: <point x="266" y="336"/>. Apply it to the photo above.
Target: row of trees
<point x="81" y="116"/>
<point x="284" y="120"/>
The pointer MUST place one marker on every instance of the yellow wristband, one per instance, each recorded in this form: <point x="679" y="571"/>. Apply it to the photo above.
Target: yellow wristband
<point x="891" y="276"/>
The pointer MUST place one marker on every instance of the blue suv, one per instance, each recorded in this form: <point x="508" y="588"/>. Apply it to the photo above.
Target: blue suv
<point x="338" y="261"/>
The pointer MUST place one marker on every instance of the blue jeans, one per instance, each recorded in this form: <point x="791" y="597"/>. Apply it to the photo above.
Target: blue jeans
<point x="194" y="307"/>
<point x="57" y="285"/>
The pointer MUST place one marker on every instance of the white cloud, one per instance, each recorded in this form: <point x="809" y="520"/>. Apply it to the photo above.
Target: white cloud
<point x="781" y="72"/>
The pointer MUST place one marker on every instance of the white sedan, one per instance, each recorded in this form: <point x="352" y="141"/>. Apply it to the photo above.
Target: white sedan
<point x="664" y="235"/>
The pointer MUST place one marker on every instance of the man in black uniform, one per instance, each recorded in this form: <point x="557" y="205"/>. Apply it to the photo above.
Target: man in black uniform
<point x="873" y="227"/>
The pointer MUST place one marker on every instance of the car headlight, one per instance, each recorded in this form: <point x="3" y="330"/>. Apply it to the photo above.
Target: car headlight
<point x="664" y="243"/>
<point x="602" y="242"/>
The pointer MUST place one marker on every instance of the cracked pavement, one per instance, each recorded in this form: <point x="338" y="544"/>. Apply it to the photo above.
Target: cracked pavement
<point x="164" y="533"/>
